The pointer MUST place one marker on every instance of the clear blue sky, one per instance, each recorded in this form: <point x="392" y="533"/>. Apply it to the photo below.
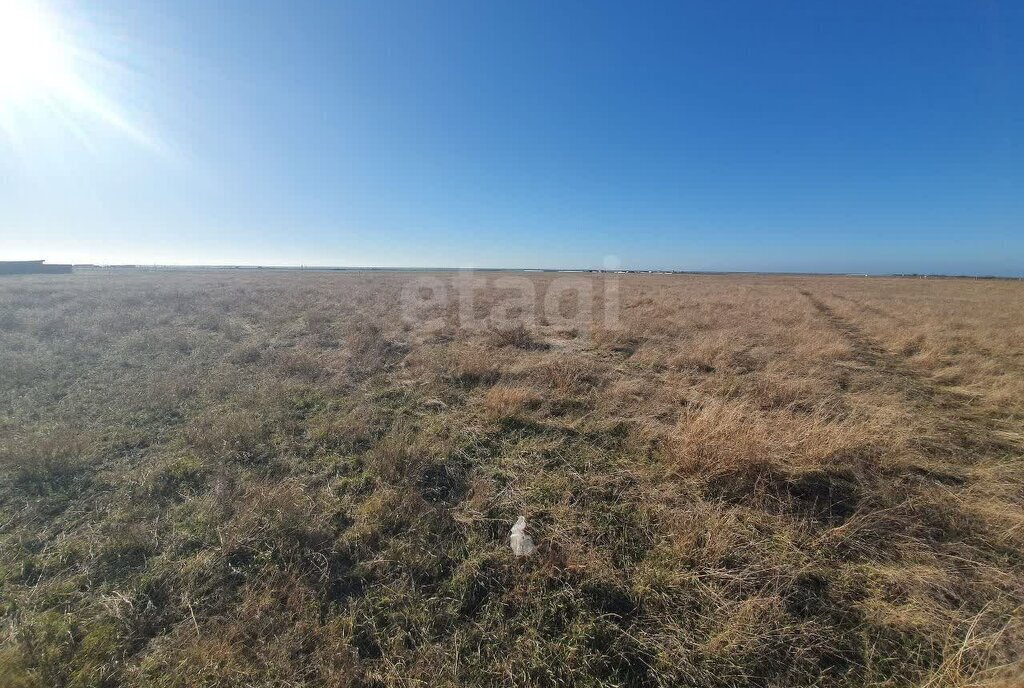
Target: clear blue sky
<point x="819" y="136"/>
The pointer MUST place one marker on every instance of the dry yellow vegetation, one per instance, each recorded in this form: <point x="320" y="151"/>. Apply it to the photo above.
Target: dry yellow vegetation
<point x="270" y="479"/>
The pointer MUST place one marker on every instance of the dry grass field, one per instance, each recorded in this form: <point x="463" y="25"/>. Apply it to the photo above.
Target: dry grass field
<point x="272" y="479"/>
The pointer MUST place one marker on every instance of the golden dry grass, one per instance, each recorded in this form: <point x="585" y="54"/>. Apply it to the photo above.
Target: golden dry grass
<point x="270" y="479"/>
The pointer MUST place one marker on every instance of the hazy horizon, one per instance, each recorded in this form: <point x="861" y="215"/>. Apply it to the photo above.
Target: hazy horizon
<point x="313" y="267"/>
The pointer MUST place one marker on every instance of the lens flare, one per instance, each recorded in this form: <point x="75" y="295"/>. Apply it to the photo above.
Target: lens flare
<point x="34" y="58"/>
<point x="40" y="73"/>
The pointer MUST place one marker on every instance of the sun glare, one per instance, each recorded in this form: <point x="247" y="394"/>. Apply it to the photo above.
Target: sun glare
<point x="35" y="61"/>
<point x="53" y="76"/>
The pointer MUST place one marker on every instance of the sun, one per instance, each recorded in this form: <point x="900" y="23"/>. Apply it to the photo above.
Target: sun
<point x="51" y="75"/>
<point x="35" y="58"/>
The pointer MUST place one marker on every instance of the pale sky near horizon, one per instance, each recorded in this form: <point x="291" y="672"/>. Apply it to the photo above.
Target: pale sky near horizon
<point x="801" y="136"/>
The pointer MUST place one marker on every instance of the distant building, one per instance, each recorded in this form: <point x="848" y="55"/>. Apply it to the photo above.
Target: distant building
<point x="31" y="267"/>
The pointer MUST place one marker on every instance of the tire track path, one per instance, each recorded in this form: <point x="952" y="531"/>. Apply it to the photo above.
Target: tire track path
<point x="1003" y="360"/>
<point x="958" y="420"/>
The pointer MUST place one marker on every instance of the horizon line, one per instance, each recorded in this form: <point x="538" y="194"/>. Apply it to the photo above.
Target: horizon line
<point x="663" y="271"/>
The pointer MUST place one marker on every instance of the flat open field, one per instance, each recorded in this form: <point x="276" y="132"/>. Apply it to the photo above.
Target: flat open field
<point x="284" y="479"/>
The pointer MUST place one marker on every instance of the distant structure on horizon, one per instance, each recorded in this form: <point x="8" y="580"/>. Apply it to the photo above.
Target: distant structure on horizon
<point x="32" y="267"/>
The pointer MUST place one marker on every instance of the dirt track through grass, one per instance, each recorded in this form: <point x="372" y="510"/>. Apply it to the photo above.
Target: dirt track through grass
<point x="969" y="429"/>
